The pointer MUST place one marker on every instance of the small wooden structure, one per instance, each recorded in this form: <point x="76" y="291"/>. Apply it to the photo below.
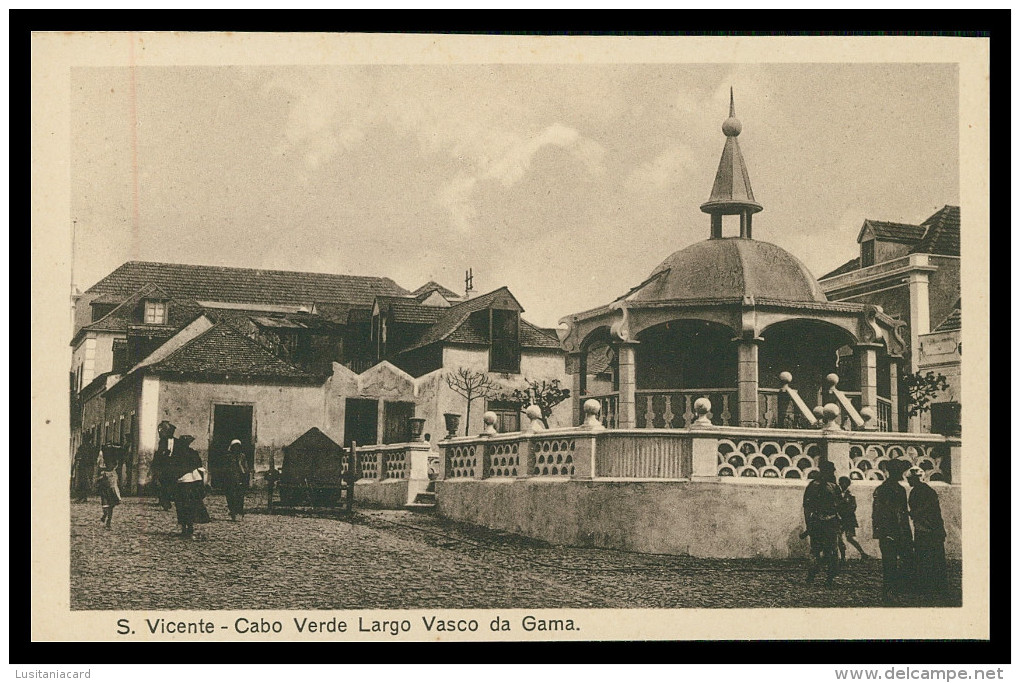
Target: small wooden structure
<point x="314" y="474"/>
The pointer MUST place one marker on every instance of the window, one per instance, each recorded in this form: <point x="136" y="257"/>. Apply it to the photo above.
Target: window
<point x="120" y="356"/>
<point x="505" y="350"/>
<point x="155" y="312"/>
<point x="867" y="253"/>
<point x="945" y="418"/>
<point x="508" y="416"/>
<point x="397" y="425"/>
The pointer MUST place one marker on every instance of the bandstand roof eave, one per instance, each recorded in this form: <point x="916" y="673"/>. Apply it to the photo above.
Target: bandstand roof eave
<point x="820" y="306"/>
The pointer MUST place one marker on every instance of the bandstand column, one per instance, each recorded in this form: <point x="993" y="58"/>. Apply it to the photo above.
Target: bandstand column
<point x="894" y="395"/>
<point x="628" y="385"/>
<point x="867" y="362"/>
<point x="747" y="380"/>
<point x="579" y="363"/>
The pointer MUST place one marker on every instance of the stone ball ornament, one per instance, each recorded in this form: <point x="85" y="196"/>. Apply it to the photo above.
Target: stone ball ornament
<point x="731" y="127"/>
<point x="535" y="413"/>
<point x="702" y="407"/>
<point x="785" y="377"/>
<point x="867" y="413"/>
<point x="489" y="420"/>
<point x="830" y="412"/>
<point x="592" y="408"/>
<point x="832" y="378"/>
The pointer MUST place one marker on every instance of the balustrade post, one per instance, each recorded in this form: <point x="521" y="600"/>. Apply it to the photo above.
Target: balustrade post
<point x="381" y="460"/>
<point x="837" y="451"/>
<point x="747" y="380"/>
<point x="628" y="386"/>
<point x="526" y="453"/>
<point x="584" y="456"/>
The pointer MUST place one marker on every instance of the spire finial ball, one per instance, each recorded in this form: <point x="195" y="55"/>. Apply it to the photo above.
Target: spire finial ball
<point x="731" y="127"/>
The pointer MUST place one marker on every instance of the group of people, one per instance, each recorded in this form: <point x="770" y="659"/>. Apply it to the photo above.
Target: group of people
<point x="912" y="559"/>
<point x="179" y="477"/>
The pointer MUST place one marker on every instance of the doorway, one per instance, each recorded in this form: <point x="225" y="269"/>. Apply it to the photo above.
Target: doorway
<point x="361" y="421"/>
<point x="230" y="422"/>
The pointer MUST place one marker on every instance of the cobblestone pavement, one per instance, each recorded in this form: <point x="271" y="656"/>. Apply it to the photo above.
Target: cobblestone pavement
<point x="389" y="559"/>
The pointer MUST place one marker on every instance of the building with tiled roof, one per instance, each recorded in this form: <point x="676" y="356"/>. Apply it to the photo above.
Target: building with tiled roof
<point x="913" y="273"/>
<point x="262" y="356"/>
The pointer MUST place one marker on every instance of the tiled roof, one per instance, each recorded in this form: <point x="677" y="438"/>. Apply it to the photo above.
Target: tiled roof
<point x="952" y="321"/>
<point x="848" y="267"/>
<point x="222" y="351"/>
<point x="452" y="318"/>
<point x="533" y="337"/>
<point x="216" y="283"/>
<point x="408" y="310"/>
<point x="942" y="233"/>
<point x="431" y="286"/>
<point x="894" y="232"/>
<point x="457" y="325"/>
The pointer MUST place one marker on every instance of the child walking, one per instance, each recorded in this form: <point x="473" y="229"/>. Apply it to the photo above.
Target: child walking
<point x="848" y="520"/>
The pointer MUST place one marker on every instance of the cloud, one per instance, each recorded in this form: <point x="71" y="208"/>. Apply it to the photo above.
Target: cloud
<point x="670" y="167"/>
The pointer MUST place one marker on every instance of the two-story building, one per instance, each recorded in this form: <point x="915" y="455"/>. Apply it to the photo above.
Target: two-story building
<point x="913" y="273"/>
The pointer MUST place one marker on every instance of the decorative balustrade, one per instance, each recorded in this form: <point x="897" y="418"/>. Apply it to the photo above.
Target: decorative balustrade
<point x="702" y="451"/>
<point x="674" y="408"/>
<point x="884" y="417"/>
<point x="388" y="461"/>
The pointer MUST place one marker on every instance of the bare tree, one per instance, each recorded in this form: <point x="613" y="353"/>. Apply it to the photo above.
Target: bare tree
<point x="471" y="385"/>
<point x="546" y="394"/>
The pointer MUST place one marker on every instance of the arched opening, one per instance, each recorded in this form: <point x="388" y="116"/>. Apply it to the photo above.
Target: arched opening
<point x="809" y="350"/>
<point x="676" y="363"/>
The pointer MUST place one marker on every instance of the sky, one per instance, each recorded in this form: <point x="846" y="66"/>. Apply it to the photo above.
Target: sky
<point x="567" y="183"/>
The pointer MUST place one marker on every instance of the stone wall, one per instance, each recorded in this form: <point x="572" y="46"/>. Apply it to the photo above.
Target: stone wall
<point x="723" y="518"/>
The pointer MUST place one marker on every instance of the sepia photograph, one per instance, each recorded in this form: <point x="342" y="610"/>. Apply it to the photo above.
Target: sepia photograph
<point x="409" y="348"/>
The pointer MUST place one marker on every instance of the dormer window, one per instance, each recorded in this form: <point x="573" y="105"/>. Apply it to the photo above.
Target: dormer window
<point x="155" y="313"/>
<point x="505" y="348"/>
<point x="867" y="253"/>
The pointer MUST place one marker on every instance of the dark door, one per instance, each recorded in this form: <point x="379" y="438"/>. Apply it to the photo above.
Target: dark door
<point x="361" y="421"/>
<point x="229" y="422"/>
<point x="397" y="416"/>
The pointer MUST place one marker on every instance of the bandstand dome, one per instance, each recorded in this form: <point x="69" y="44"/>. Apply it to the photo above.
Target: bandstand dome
<point x="728" y="268"/>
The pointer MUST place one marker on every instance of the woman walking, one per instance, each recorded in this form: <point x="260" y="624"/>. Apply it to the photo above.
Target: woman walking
<point x="108" y="482"/>
<point x="189" y="488"/>
<point x="236" y="483"/>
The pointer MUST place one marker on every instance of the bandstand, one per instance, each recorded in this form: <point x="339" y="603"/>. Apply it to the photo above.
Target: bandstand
<point x="723" y="319"/>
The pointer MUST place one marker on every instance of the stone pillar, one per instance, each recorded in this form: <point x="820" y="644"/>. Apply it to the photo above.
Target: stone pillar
<point x="894" y="395"/>
<point x="628" y="385"/>
<point x="747" y="381"/>
<point x="578" y="388"/>
<point x="920" y="316"/>
<point x="867" y="363"/>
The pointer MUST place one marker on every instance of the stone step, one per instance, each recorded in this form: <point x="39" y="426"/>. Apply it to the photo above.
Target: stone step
<point x="420" y="507"/>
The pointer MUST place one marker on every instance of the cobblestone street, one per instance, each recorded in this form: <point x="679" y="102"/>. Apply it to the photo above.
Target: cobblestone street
<point x="387" y="559"/>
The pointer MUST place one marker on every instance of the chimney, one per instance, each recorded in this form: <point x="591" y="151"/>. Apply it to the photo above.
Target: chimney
<point x="469" y="284"/>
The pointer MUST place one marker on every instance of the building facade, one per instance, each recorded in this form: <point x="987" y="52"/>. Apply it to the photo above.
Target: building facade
<point x="913" y="273"/>
<point x="262" y="356"/>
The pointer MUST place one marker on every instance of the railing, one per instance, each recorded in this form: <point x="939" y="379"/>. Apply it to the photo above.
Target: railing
<point x="610" y="403"/>
<point x="674" y="408"/>
<point x="884" y="416"/>
<point x="382" y="462"/>
<point x="790" y="454"/>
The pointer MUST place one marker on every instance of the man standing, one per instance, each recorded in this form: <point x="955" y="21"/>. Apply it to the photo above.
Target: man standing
<point x="821" y="516"/>
<point x="929" y="534"/>
<point x="890" y="526"/>
<point x="161" y="468"/>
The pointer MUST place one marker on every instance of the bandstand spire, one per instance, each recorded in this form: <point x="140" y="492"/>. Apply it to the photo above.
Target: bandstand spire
<point x="731" y="192"/>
